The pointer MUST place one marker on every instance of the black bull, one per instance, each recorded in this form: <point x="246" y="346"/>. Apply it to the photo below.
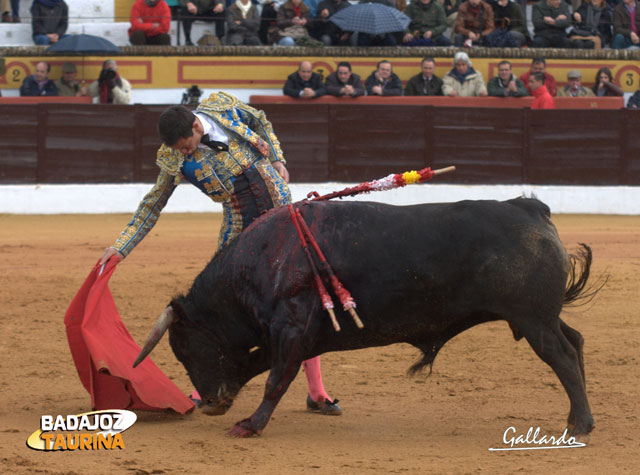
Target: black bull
<point x="419" y="274"/>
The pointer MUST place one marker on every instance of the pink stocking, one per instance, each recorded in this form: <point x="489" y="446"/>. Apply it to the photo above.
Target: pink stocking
<point x="314" y="378"/>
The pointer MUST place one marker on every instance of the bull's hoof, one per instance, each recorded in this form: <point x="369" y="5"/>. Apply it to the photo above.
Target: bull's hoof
<point x="242" y="432"/>
<point x="582" y="428"/>
<point x="326" y="407"/>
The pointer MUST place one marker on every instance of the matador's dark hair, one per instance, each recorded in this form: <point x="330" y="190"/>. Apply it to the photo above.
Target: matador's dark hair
<point x="175" y="123"/>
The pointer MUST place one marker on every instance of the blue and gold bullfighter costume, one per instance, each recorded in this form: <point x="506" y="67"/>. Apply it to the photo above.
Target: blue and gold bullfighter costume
<point x="241" y="178"/>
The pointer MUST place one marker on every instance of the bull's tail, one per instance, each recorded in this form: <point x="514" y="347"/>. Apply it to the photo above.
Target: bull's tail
<point x="580" y="269"/>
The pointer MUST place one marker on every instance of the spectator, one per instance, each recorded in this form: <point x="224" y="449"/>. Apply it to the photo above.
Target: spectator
<point x="343" y="82"/>
<point x="268" y="22"/>
<point x="150" y="21"/>
<point x="327" y="31"/>
<point x="604" y="85"/>
<point x="49" y="21"/>
<point x="384" y="39"/>
<point x="463" y="80"/>
<point x="550" y="20"/>
<point x="39" y="84"/>
<point x="428" y="23"/>
<point x="211" y="11"/>
<point x="591" y="25"/>
<point x="473" y="24"/>
<point x="313" y="7"/>
<point x="538" y="65"/>
<point x="5" y="9"/>
<point x="451" y="10"/>
<point x="243" y="23"/>
<point x="304" y="83"/>
<point x="634" y="101"/>
<point x="68" y="85"/>
<point x="574" y="87"/>
<point x="383" y="81"/>
<point x="110" y="87"/>
<point x="425" y="83"/>
<point x="626" y="25"/>
<point x="9" y="9"/>
<point x="511" y="26"/>
<point x="294" y="20"/>
<point x="505" y="84"/>
<point x="542" y="98"/>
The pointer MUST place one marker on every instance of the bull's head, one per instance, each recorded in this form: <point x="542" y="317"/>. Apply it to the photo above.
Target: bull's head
<point x="217" y="371"/>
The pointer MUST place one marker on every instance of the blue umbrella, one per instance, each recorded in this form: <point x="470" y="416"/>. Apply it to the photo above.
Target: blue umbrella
<point x="372" y="18"/>
<point x="86" y="44"/>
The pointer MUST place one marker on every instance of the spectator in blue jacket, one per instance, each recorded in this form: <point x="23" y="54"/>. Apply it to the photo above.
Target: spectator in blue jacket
<point x="39" y="84"/>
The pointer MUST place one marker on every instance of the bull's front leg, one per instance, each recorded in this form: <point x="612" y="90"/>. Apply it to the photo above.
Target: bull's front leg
<point x="286" y="362"/>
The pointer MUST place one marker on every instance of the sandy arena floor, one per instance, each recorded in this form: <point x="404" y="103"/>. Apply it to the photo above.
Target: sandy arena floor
<point x="483" y="381"/>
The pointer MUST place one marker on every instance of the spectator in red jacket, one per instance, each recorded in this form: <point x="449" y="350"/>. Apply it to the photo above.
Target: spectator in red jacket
<point x="538" y="65"/>
<point x="542" y="98"/>
<point x="150" y="20"/>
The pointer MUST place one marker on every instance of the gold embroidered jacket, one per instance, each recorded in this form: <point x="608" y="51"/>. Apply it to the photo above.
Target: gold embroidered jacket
<point x="251" y="138"/>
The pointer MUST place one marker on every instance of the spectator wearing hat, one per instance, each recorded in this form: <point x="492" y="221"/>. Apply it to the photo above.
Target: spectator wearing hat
<point x="110" y="87"/>
<point x="574" y="88"/>
<point x="150" y="21"/>
<point x="68" y="85"/>
<point x="463" y="80"/>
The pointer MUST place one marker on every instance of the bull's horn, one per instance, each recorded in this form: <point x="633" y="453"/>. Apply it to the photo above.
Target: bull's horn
<point x="164" y="320"/>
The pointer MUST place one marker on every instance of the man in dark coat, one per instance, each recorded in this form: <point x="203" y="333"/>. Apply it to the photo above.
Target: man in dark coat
<point x="327" y="31"/>
<point x="39" y="84"/>
<point x="505" y="84"/>
<point x="343" y="82"/>
<point x="425" y="83"/>
<point x="550" y="20"/>
<point x="383" y="81"/>
<point x="304" y="83"/>
<point x="49" y="21"/>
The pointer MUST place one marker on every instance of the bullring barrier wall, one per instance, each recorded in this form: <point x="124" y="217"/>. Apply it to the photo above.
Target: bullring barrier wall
<point x="344" y="142"/>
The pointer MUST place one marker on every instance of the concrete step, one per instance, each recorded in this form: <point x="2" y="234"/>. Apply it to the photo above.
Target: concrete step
<point x="19" y="34"/>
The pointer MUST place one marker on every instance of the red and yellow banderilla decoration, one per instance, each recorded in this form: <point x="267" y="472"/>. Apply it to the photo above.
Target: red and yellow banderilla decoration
<point x="396" y="180"/>
<point x="389" y="182"/>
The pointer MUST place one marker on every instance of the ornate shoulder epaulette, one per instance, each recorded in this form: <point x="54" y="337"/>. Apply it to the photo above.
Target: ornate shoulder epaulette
<point x="169" y="160"/>
<point x="218" y="102"/>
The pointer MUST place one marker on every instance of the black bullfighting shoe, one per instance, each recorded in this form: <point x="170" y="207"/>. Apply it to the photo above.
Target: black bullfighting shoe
<point x="326" y="407"/>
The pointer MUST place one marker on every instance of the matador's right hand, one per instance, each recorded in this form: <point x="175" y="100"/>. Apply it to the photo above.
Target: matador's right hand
<point x="108" y="253"/>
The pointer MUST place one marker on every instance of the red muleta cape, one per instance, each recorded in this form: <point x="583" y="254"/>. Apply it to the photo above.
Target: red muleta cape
<point x="103" y="352"/>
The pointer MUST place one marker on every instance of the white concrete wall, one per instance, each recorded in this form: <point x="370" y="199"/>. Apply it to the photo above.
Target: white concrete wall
<point x="63" y="199"/>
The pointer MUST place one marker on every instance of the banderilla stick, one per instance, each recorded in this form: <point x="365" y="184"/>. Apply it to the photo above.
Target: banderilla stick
<point x="327" y="303"/>
<point x="440" y="171"/>
<point x="343" y="294"/>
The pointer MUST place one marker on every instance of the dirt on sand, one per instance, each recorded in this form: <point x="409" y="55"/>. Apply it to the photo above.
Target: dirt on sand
<point x="483" y="381"/>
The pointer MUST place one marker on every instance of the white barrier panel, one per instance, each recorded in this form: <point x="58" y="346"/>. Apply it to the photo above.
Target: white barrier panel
<point x="96" y="199"/>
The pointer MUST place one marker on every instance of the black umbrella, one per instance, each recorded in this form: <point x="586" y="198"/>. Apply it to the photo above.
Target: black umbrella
<point x="85" y="44"/>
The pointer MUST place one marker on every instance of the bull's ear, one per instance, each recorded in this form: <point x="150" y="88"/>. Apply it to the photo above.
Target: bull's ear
<point x="178" y="309"/>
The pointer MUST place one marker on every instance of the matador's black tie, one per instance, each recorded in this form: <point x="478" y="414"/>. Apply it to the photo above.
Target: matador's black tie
<point x="214" y="144"/>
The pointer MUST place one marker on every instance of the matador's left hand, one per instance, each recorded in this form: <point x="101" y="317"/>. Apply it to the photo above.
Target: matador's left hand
<point x="282" y="170"/>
